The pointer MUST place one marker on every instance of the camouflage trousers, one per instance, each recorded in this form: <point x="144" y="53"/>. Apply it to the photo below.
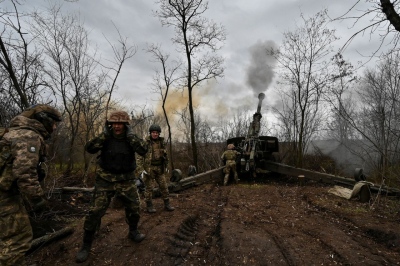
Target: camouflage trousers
<point x="156" y="173"/>
<point x="230" y="167"/>
<point x="104" y="191"/>
<point x="15" y="232"/>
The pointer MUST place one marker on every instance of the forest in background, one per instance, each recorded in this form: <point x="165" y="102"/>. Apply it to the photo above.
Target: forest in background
<point x="47" y="57"/>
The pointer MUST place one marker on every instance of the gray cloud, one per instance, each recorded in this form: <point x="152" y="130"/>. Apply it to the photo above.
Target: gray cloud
<point x="246" y="22"/>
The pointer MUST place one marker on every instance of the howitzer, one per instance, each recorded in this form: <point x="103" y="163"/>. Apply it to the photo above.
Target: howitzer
<point x="254" y="150"/>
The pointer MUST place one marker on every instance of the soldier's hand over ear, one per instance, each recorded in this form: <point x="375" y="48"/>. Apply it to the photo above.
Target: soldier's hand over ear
<point x="129" y="131"/>
<point x="107" y="130"/>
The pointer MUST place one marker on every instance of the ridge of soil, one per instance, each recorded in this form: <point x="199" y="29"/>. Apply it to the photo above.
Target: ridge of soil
<point x="272" y="222"/>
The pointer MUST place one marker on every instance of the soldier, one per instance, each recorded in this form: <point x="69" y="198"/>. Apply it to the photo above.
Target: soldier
<point x="229" y="159"/>
<point x="22" y="150"/>
<point x="114" y="176"/>
<point x="155" y="164"/>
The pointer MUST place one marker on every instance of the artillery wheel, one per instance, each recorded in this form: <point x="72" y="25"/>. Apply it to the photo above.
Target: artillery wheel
<point x="365" y="194"/>
<point x="176" y="175"/>
<point x="359" y="175"/>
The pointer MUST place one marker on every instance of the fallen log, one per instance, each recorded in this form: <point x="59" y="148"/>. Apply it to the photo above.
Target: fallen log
<point x="41" y="241"/>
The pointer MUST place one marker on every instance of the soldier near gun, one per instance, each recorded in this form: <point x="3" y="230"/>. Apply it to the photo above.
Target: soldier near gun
<point x="155" y="164"/>
<point x="229" y="159"/>
<point x="22" y="150"/>
<point x="114" y="177"/>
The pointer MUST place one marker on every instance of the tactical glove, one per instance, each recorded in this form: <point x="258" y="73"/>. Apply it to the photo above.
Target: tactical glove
<point x="136" y="143"/>
<point x="107" y="130"/>
<point x="41" y="174"/>
<point x="130" y="135"/>
<point x="129" y="132"/>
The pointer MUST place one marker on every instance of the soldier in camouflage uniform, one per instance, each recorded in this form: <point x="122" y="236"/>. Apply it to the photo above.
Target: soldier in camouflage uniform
<point x="229" y="158"/>
<point x="22" y="150"/>
<point x="155" y="165"/>
<point x="114" y="177"/>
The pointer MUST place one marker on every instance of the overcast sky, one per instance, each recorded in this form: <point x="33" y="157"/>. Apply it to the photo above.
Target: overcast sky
<point x="248" y="24"/>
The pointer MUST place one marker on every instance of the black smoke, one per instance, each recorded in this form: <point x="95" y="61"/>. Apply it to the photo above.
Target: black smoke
<point x="260" y="72"/>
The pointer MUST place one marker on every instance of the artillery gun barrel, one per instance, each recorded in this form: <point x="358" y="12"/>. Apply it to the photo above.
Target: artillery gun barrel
<point x="261" y="97"/>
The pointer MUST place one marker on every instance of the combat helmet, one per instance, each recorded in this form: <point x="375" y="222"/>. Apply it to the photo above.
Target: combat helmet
<point x="155" y="127"/>
<point x="119" y="117"/>
<point x="45" y="114"/>
<point x="231" y="146"/>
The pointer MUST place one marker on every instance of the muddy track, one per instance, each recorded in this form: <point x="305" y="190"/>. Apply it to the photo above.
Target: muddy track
<point x="364" y="235"/>
<point x="246" y="224"/>
<point x="200" y="232"/>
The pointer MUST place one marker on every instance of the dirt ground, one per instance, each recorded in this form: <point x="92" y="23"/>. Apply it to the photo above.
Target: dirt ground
<point x="273" y="221"/>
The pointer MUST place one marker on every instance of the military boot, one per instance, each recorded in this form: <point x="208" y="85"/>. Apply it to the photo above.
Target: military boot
<point x="236" y="178"/>
<point x="83" y="253"/>
<point x="150" y="208"/>
<point x="134" y="234"/>
<point x="226" y="178"/>
<point x="167" y="206"/>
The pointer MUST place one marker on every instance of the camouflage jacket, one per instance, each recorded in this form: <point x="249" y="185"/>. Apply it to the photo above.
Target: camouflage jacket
<point x="21" y="151"/>
<point x="229" y="155"/>
<point x="156" y="155"/>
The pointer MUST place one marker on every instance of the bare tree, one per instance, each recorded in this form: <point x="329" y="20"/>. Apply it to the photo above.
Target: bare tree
<point x="120" y="56"/>
<point x="68" y="67"/>
<point x="339" y="97"/>
<point x="163" y="80"/>
<point x="305" y="73"/>
<point x="20" y="62"/>
<point x="195" y="36"/>
<point x="380" y="97"/>
<point x="75" y="74"/>
<point x="373" y="118"/>
<point x="383" y="17"/>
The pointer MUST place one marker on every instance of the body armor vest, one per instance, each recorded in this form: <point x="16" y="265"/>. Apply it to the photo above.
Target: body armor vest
<point x="117" y="156"/>
<point x="157" y="153"/>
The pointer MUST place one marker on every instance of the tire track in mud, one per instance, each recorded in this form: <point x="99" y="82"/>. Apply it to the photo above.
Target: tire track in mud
<point x="182" y="241"/>
<point x="282" y="248"/>
<point x="288" y="237"/>
<point x="333" y="252"/>
<point x="362" y="235"/>
<point x="197" y="237"/>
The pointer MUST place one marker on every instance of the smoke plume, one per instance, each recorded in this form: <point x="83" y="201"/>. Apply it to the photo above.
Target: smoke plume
<point x="260" y="71"/>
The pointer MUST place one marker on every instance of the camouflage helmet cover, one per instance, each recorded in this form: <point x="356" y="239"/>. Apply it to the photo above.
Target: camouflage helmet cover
<point x="155" y="127"/>
<point x="231" y="146"/>
<point x="38" y="108"/>
<point x="118" y="117"/>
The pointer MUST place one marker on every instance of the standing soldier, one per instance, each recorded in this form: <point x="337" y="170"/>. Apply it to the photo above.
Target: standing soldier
<point x="229" y="159"/>
<point x="155" y="164"/>
<point x="114" y="176"/>
<point x="22" y="150"/>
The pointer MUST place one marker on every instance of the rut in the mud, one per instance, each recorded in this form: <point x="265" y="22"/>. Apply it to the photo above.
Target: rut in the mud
<point x="271" y="223"/>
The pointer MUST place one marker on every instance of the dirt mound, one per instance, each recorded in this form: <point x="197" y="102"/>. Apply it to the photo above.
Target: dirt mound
<point x="275" y="222"/>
